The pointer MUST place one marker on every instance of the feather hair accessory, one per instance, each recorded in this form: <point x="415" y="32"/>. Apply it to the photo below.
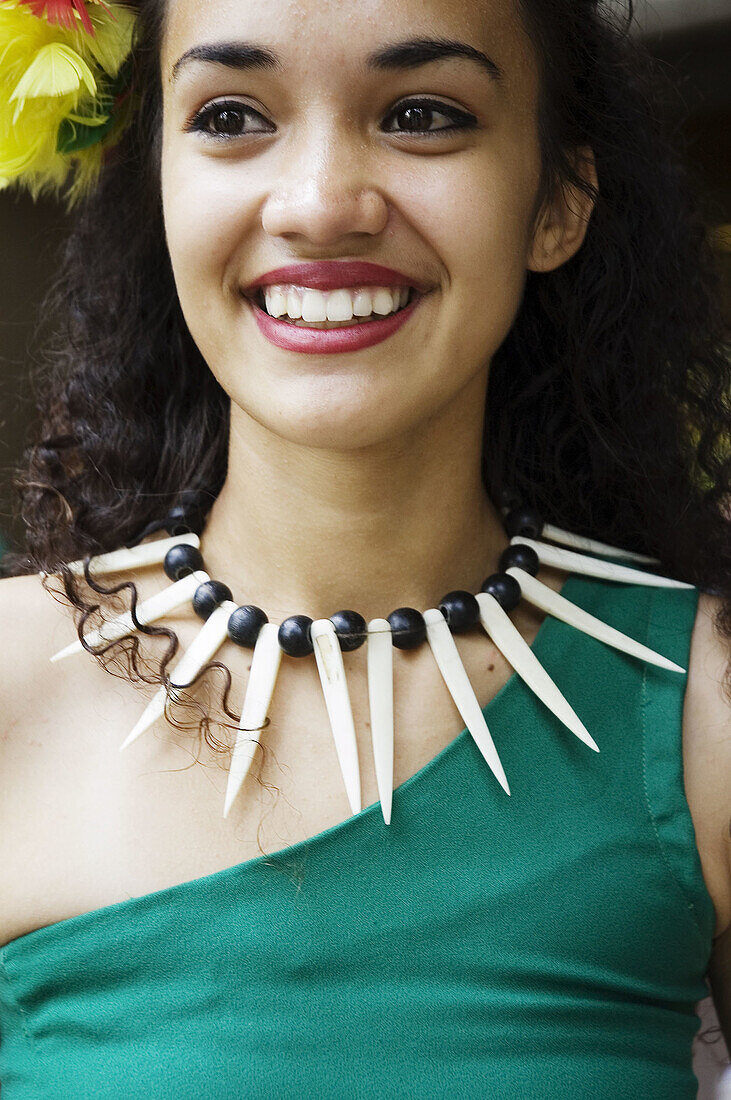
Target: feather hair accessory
<point x="64" y="81"/>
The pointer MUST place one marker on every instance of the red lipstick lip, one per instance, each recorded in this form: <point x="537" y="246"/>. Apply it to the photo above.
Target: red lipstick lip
<point x="332" y="275"/>
<point x="316" y="341"/>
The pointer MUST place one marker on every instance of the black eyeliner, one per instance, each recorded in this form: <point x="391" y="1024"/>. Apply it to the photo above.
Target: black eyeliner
<point x="461" y="120"/>
<point x="197" y="122"/>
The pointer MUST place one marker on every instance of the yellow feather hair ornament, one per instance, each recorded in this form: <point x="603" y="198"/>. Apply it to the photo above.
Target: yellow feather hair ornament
<point x="64" y="72"/>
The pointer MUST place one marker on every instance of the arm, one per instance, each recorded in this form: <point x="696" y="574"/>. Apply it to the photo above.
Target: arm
<point x="707" y="736"/>
<point x="719" y="975"/>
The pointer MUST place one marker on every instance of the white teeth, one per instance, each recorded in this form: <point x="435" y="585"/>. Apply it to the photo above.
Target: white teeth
<point x="336" y="306"/>
<point x="362" y="304"/>
<point x="294" y="304"/>
<point x="276" y="301"/>
<point x="383" y="302"/>
<point x="314" y="306"/>
<point x="339" y="306"/>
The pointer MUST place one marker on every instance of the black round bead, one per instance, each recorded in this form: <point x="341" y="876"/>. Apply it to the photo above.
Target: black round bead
<point x="524" y="521"/>
<point x="350" y="628"/>
<point x="182" y="560"/>
<point x="505" y="588"/>
<point x="523" y="556"/>
<point x="294" y="636"/>
<point x="183" y="519"/>
<point x="508" y="498"/>
<point x="208" y="596"/>
<point x="408" y="627"/>
<point x="245" y="624"/>
<point x="460" y="609"/>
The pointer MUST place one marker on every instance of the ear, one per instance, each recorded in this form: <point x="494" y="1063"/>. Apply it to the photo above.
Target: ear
<point x="563" y="219"/>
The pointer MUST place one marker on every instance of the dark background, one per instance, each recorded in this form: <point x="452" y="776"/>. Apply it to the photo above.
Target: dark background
<point x="692" y="40"/>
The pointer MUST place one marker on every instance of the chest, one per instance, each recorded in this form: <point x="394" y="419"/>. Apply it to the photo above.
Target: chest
<point x="96" y="827"/>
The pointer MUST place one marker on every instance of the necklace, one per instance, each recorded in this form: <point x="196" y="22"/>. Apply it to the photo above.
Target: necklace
<point x="405" y="628"/>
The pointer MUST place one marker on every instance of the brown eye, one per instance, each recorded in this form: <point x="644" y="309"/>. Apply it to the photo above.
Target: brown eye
<point x="418" y="117"/>
<point x="228" y="120"/>
<point x="414" y="118"/>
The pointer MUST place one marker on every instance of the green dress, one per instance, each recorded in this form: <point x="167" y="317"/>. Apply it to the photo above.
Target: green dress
<point x="551" y="944"/>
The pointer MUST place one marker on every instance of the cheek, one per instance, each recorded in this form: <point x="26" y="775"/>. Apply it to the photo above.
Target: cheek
<point x="204" y="225"/>
<point x="477" y="220"/>
<point x="483" y="211"/>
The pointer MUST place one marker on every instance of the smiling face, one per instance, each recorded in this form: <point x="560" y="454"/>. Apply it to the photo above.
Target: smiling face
<point x="297" y="132"/>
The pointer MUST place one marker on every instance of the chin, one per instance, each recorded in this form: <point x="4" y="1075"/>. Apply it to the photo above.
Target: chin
<point x="329" y="423"/>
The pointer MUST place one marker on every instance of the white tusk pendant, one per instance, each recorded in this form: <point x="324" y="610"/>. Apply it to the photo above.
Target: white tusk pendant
<point x="133" y="557"/>
<point x="147" y="612"/>
<point x="538" y="593"/>
<point x="335" y="689"/>
<point x="594" y="567"/>
<point x="207" y="641"/>
<point x="380" y="696"/>
<point x="580" y="542"/>
<point x="265" y="665"/>
<point x="518" y="653"/>
<point x="454" y="674"/>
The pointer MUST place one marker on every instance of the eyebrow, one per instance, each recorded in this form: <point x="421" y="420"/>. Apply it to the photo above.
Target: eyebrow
<point x="398" y="57"/>
<point x="420" y="51"/>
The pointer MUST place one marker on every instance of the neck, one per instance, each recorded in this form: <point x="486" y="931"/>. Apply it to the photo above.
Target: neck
<point x="300" y="530"/>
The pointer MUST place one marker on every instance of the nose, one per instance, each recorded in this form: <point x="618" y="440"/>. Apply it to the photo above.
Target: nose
<point x="324" y="191"/>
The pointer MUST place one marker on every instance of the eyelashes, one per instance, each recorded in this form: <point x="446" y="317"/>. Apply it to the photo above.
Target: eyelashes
<point x="460" y="120"/>
<point x="230" y="116"/>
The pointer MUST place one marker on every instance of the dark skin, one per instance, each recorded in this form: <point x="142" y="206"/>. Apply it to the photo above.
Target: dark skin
<point x="353" y="482"/>
<point x="354" y="478"/>
<point x="368" y="468"/>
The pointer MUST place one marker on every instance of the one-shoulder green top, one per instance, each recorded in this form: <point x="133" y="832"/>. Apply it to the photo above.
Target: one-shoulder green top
<point x="549" y="944"/>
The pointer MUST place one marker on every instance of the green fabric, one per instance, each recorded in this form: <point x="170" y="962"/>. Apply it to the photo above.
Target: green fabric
<point x="549" y="944"/>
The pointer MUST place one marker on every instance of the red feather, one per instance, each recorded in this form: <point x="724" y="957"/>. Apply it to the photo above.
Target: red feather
<point x="61" y="12"/>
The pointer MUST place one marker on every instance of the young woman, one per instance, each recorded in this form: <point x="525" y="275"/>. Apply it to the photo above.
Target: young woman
<point x="519" y="311"/>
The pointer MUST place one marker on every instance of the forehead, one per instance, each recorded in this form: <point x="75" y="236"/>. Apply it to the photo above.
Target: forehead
<point x="334" y="37"/>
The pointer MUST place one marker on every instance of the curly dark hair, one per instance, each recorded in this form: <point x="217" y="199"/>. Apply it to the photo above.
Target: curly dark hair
<point x="609" y="402"/>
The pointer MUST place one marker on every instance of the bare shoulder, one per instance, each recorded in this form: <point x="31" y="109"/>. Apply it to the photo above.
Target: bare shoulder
<point x="50" y="713"/>
<point x="27" y="594"/>
<point x="35" y="623"/>
<point x="45" y="750"/>
<point x="707" y="754"/>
